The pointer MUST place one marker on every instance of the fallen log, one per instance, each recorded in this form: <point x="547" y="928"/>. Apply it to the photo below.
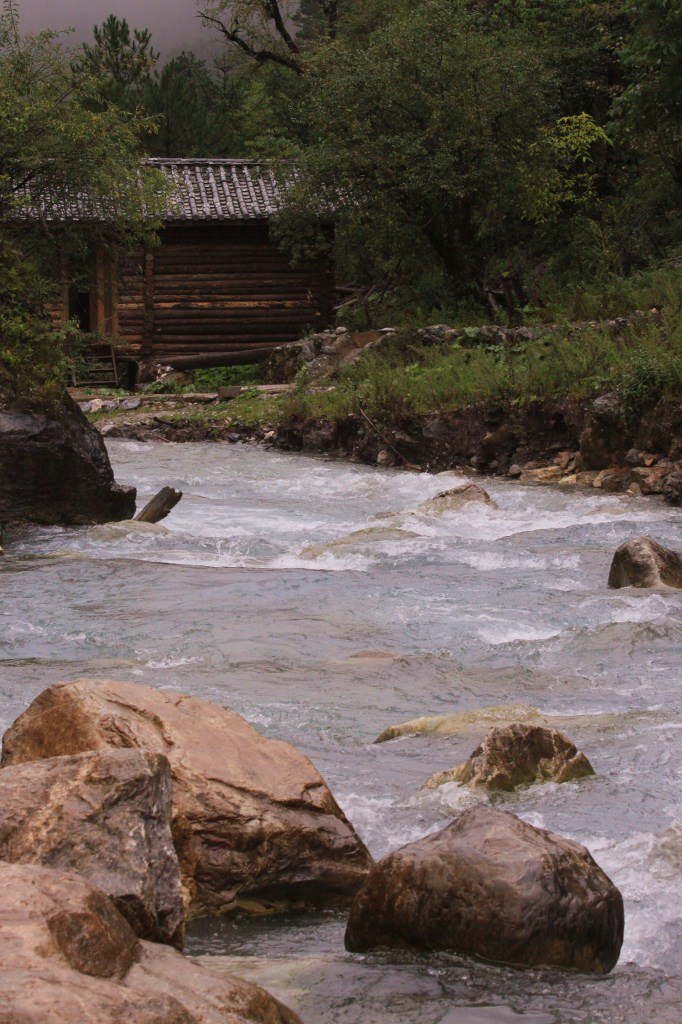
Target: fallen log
<point x="160" y="505"/>
<point x="202" y="360"/>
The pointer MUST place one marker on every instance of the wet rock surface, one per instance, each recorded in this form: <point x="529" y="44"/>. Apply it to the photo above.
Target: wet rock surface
<point x="68" y="957"/>
<point x="105" y="815"/>
<point x="55" y="469"/>
<point x="518" y="755"/>
<point x="456" y="498"/>
<point x="641" y="562"/>
<point x="490" y="885"/>
<point x="254" y="824"/>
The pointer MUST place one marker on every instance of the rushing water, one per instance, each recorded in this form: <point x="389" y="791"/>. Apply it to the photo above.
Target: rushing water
<point x="252" y="593"/>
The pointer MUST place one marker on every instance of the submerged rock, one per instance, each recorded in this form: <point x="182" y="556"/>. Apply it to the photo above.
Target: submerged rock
<point x="105" y="814"/>
<point x="518" y="755"/>
<point x="255" y="826"/>
<point x="461" y="721"/>
<point x="641" y="562"/>
<point x="455" y="498"/>
<point x="68" y="957"/>
<point x="55" y="469"/>
<point x="358" y="539"/>
<point x="490" y="885"/>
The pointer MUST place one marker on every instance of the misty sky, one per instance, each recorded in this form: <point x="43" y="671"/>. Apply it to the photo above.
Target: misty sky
<point x="173" y="23"/>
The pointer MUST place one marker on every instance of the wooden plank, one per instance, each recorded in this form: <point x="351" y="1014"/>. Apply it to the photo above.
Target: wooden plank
<point x="148" y="323"/>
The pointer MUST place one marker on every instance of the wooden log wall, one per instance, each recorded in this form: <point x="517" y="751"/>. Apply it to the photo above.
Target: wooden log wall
<point x="217" y="289"/>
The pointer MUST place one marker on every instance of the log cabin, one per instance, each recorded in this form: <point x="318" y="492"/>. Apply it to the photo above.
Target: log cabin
<point x="216" y="290"/>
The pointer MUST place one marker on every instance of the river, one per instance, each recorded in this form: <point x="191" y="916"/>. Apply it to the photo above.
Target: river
<point x="326" y="647"/>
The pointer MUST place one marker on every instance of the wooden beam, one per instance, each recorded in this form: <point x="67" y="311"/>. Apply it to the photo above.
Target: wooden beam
<point x="148" y="323"/>
<point x="100" y="323"/>
<point x="160" y="505"/>
<point x="202" y="360"/>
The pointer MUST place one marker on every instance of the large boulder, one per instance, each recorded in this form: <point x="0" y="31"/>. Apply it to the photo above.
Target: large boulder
<point x="641" y="562"/>
<point x="518" y="755"/>
<point x="55" y="469"/>
<point x="255" y="826"/>
<point x="105" y="814"/>
<point x="68" y="957"/>
<point x="492" y="886"/>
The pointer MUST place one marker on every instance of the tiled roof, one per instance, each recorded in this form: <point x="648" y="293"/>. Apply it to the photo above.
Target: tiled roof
<point x="219" y="189"/>
<point x="203" y="190"/>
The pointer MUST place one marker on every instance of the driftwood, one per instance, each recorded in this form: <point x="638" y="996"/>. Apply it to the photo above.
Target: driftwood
<point x="160" y="505"/>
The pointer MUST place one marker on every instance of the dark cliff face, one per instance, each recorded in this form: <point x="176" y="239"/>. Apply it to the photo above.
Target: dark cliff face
<point x="54" y="468"/>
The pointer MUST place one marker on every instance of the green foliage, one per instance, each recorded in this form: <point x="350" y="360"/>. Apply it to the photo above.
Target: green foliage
<point x="437" y="141"/>
<point x="224" y="377"/>
<point x="120" y="61"/>
<point x="55" y="145"/>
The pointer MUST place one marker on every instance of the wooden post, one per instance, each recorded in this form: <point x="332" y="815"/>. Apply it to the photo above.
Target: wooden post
<point x="160" y="505"/>
<point x="64" y="281"/>
<point x="100" y="323"/>
<point x="148" y="325"/>
<point x="113" y="292"/>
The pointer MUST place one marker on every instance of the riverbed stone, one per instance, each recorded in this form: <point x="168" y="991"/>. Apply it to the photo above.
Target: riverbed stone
<point x="255" y="826"/>
<point x="105" y="814"/>
<point x="67" y="956"/>
<point x="55" y="469"/>
<point x="518" y="754"/>
<point x="642" y="562"/>
<point x="461" y="721"/>
<point x="671" y="486"/>
<point x="492" y="886"/>
<point x="542" y="475"/>
<point x="456" y="498"/>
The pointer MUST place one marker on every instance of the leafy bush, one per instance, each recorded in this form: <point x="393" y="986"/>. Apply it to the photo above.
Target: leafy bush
<point x="224" y="377"/>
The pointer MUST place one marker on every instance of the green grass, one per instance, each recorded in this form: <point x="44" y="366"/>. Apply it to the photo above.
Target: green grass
<point x="408" y="378"/>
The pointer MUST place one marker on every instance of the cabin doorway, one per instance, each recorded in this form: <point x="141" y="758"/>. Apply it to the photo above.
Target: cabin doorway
<point x="80" y="308"/>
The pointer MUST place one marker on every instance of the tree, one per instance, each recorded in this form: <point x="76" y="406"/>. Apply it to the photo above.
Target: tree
<point x="119" y="60"/>
<point x="55" y="148"/>
<point x="184" y="99"/>
<point x="430" y="143"/>
<point x="652" y="100"/>
<point x="274" y="31"/>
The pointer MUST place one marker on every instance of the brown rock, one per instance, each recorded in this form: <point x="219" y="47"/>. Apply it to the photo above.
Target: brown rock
<point x="211" y="996"/>
<point x="641" y="562"/>
<point x="254" y="824"/>
<point x="543" y="475"/>
<point x="492" y="886"/>
<point x="455" y="498"/>
<point x="518" y="755"/>
<point x="106" y="815"/>
<point x="614" y="481"/>
<point x="650" y="480"/>
<point x="672" y="486"/>
<point x="68" y="957"/>
<point x="602" y="437"/>
<point x="56" y="916"/>
<point x="42" y="993"/>
<point x="586" y="478"/>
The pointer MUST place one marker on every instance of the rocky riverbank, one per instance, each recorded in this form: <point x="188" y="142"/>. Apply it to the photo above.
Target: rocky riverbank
<point x="582" y="444"/>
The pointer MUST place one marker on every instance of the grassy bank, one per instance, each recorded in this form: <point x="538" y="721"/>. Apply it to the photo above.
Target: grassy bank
<point x="406" y="376"/>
